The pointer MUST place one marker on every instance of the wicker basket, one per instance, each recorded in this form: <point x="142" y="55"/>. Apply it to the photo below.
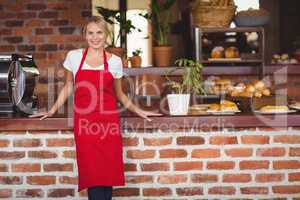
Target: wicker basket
<point x="213" y="16"/>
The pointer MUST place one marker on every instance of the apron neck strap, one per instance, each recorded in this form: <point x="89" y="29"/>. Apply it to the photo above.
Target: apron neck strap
<point x="85" y="54"/>
<point x="83" y="58"/>
<point x="105" y="61"/>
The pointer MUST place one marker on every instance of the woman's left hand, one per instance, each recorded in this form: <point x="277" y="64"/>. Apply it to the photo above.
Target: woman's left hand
<point x="146" y="114"/>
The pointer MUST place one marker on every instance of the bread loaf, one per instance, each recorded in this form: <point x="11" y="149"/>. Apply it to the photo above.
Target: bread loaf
<point x="266" y="92"/>
<point x="270" y="108"/>
<point x="232" y="52"/>
<point x="259" y="85"/>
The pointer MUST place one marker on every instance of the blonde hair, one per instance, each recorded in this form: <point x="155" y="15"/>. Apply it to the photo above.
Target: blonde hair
<point x="100" y="21"/>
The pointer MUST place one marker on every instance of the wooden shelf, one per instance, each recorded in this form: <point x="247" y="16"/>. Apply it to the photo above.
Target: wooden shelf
<point x="177" y="71"/>
<point x="214" y="70"/>
<point x="233" y="61"/>
<point x="237" y="29"/>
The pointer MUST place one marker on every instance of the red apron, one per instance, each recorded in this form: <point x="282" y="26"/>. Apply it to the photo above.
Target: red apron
<point x="97" y="128"/>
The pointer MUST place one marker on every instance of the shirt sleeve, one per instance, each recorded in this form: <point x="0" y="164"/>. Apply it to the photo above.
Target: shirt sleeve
<point x="67" y="63"/>
<point x="116" y="67"/>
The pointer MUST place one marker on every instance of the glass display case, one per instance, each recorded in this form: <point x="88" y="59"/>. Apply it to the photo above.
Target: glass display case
<point x="230" y="47"/>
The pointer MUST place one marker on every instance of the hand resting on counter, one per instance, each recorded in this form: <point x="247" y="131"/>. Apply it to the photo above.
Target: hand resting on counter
<point x="142" y="113"/>
<point x="42" y="115"/>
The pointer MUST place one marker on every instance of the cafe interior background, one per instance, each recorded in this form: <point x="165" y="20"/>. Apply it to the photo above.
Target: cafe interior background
<point x="239" y="138"/>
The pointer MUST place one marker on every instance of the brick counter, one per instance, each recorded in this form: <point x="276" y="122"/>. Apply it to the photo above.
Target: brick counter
<point x="248" y="163"/>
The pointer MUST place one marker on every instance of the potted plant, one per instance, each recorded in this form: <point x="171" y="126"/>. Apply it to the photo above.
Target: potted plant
<point x="160" y="18"/>
<point x="192" y="82"/>
<point x="114" y="17"/>
<point x="135" y="59"/>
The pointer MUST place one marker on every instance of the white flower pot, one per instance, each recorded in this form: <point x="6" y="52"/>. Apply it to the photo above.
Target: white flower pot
<point x="178" y="103"/>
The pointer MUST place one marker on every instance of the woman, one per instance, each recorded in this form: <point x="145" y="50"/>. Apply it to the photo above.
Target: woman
<point x="97" y="85"/>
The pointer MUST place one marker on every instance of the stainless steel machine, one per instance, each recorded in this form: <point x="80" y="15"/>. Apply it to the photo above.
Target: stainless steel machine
<point x="18" y="77"/>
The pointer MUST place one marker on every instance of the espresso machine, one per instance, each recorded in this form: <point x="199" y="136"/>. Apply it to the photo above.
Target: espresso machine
<point x="18" y="77"/>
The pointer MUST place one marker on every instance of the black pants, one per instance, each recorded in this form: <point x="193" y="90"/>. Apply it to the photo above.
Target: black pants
<point x="100" y="193"/>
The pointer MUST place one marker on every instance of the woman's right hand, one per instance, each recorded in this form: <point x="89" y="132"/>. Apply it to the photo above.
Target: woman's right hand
<point x="42" y="115"/>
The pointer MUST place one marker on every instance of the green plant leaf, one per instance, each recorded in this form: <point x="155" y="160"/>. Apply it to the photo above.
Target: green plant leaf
<point x="192" y="80"/>
<point x="160" y="21"/>
<point x="107" y="14"/>
<point x="114" y="17"/>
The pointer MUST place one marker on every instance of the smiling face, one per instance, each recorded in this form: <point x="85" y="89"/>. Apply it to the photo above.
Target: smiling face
<point x="95" y="35"/>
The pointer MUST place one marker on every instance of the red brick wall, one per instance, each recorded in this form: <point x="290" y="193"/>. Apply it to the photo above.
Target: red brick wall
<point x="245" y="164"/>
<point x="47" y="29"/>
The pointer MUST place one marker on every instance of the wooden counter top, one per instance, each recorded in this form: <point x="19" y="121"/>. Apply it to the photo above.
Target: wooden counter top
<point x="163" y="122"/>
<point x="243" y="120"/>
<point x="219" y="70"/>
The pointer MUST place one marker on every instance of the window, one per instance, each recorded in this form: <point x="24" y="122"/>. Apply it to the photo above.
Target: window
<point x="138" y="40"/>
<point x="135" y="39"/>
<point x="245" y="5"/>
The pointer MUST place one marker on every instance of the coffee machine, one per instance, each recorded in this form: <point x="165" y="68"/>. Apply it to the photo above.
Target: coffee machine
<point x="18" y="77"/>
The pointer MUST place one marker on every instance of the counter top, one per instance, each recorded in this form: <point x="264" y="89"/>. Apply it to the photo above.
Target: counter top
<point x="209" y="122"/>
<point x="241" y="120"/>
<point x="219" y="70"/>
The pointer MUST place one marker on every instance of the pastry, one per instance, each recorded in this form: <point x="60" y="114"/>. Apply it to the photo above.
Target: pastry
<point x="232" y="52"/>
<point x="293" y="61"/>
<point x="223" y="82"/>
<point x="285" y="56"/>
<point x="295" y="105"/>
<point x="258" y="94"/>
<point x="245" y="94"/>
<point x="259" y="85"/>
<point x="217" y="52"/>
<point x="221" y="86"/>
<point x="283" y="59"/>
<point x="266" y="92"/>
<point x="227" y="102"/>
<point x="225" y="106"/>
<point x="250" y="88"/>
<point x="256" y="89"/>
<point x="240" y="87"/>
<point x="214" y="107"/>
<point x="199" y="107"/>
<point x="235" y="93"/>
<point x="228" y="106"/>
<point x="276" y="56"/>
<point x="270" y="108"/>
